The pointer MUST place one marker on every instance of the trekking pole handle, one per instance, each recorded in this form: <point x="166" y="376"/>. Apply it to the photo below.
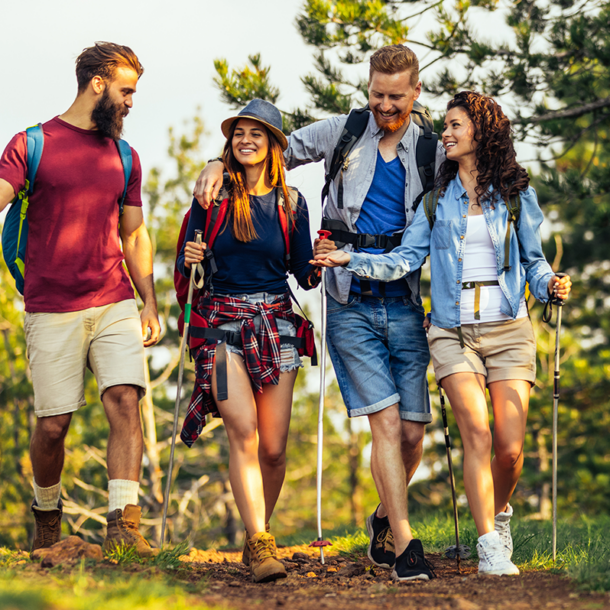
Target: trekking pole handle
<point x="555" y="300"/>
<point x="324" y="234"/>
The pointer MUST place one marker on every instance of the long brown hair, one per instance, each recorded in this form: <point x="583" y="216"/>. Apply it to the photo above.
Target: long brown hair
<point x="239" y="200"/>
<point x="496" y="160"/>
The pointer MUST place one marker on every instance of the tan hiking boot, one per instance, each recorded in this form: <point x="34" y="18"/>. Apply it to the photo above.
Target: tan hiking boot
<point x="47" y="530"/>
<point x="123" y="529"/>
<point x="245" y="555"/>
<point x="264" y="565"/>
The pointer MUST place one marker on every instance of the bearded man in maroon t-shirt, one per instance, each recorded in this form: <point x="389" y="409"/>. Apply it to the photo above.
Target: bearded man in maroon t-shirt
<point x="79" y="301"/>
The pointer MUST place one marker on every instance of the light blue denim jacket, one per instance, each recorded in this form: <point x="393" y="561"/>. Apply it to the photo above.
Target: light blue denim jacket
<point x="446" y="245"/>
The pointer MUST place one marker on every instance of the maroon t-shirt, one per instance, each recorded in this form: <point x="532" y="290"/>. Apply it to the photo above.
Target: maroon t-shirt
<point x="73" y="258"/>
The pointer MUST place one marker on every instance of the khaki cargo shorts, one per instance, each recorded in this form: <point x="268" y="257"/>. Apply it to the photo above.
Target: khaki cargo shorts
<point x="499" y="350"/>
<point x="107" y="340"/>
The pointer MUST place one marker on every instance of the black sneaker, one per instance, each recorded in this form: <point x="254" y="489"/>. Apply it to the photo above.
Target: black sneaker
<point x="381" y="547"/>
<point x="412" y="565"/>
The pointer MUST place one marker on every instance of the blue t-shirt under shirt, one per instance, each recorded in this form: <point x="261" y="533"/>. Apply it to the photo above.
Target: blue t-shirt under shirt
<point x="383" y="213"/>
<point x="258" y="265"/>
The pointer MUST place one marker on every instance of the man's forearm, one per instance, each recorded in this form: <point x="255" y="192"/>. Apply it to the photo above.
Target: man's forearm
<point x="138" y="257"/>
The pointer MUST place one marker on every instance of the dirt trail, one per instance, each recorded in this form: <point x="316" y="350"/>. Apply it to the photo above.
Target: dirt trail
<point x="347" y="584"/>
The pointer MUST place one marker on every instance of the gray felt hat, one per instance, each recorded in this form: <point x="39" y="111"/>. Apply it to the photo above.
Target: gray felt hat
<point x="264" y="112"/>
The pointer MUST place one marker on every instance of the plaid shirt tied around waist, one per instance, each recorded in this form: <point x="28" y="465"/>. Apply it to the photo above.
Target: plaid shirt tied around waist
<point x="262" y="354"/>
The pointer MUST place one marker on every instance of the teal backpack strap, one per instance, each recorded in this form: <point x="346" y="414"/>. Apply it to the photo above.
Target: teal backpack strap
<point x="513" y="207"/>
<point x="430" y="203"/>
<point x="35" y="143"/>
<point x="15" y="228"/>
<point x="127" y="161"/>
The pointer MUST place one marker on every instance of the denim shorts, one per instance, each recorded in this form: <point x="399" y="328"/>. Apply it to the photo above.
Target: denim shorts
<point x="379" y="349"/>
<point x="290" y="359"/>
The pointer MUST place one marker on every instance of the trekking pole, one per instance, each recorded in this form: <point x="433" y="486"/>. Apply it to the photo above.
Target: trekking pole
<point x="183" y="343"/>
<point x="547" y="315"/>
<point x="458" y="551"/>
<point x="320" y="542"/>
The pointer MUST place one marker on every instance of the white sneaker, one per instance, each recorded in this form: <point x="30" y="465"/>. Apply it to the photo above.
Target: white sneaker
<point x="502" y="523"/>
<point x="492" y="558"/>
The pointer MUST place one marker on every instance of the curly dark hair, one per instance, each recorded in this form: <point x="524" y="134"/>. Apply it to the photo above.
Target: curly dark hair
<point x="496" y="160"/>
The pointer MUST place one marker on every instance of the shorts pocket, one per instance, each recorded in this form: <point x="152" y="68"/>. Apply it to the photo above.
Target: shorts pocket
<point x="441" y="234"/>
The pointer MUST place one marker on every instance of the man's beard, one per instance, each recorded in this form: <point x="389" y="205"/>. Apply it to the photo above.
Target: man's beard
<point x="108" y="117"/>
<point x="395" y="125"/>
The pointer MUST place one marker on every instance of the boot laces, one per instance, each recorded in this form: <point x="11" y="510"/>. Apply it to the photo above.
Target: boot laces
<point x="264" y="548"/>
<point x="385" y="539"/>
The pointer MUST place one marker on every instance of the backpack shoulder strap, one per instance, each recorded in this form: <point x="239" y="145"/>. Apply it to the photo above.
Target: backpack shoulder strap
<point x="430" y="203"/>
<point x="127" y="161"/>
<point x="353" y="129"/>
<point x="215" y="216"/>
<point x="293" y="194"/>
<point x="513" y="206"/>
<point x="425" y="151"/>
<point x="35" y="144"/>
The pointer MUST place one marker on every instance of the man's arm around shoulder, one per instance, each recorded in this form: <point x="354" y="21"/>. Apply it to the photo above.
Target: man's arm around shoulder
<point x="138" y="256"/>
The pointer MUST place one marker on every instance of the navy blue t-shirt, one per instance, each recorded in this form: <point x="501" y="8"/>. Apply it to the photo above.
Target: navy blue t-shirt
<point x="383" y="213"/>
<point x="259" y="265"/>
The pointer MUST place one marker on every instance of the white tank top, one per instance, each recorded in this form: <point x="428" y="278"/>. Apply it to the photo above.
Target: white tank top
<point x="480" y="265"/>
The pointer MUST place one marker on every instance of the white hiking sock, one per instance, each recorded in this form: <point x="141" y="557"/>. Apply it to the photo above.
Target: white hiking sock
<point x="47" y="498"/>
<point x="122" y="492"/>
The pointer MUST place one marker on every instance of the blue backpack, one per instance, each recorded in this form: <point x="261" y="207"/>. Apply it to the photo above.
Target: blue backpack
<point x="15" y="230"/>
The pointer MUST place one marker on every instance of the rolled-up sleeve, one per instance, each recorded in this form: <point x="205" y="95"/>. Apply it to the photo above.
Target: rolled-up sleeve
<point x="313" y="142"/>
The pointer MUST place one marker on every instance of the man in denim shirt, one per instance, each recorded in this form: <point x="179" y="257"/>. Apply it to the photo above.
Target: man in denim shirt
<point x="375" y="335"/>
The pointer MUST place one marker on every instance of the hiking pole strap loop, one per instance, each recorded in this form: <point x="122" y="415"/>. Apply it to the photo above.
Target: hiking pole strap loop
<point x="477" y="294"/>
<point x="547" y="314"/>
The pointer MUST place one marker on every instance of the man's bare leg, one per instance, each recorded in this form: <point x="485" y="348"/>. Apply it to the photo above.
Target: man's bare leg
<point x="125" y="442"/>
<point x="389" y="472"/>
<point x="47" y="448"/>
<point x="412" y="447"/>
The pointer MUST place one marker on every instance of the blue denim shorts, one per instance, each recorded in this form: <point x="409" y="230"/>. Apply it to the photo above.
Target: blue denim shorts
<point x="379" y="349"/>
<point x="290" y="359"/>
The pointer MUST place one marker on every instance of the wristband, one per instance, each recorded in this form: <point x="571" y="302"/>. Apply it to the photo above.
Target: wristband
<point x="215" y="159"/>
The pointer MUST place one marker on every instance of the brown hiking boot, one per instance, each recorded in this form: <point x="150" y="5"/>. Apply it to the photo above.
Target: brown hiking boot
<point x="264" y="565"/>
<point x="47" y="530"/>
<point x="245" y="555"/>
<point x="123" y="529"/>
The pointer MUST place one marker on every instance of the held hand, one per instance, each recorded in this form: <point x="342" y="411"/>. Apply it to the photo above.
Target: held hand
<point x="193" y="253"/>
<point x="208" y="184"/>
<point x="151" y="328"/>
<point x="323" y="247"/>
<point x="427" y="323"/>
<point x="338" y="258"/>
<point x="560" y="287"/>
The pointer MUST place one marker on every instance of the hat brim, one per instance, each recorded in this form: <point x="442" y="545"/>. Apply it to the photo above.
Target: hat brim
<point x="225" y="127"/>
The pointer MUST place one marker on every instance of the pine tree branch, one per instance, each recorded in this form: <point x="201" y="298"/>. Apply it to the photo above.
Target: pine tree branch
<point x="569" y="113"/>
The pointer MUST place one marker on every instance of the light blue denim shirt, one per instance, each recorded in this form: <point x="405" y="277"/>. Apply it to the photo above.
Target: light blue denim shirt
<point x="446" y="245"/>
<point x="316" y="142"/>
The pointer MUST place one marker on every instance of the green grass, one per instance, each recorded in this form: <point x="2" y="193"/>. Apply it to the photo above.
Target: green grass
<point x="99" y="587"/>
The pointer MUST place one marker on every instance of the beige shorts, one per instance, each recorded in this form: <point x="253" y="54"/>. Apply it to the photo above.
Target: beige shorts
<point x="106" y="339"/>
<point x="499" y="350"/>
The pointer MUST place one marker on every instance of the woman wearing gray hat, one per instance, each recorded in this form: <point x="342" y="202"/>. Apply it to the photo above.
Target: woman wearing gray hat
<point x="258" y="233"/>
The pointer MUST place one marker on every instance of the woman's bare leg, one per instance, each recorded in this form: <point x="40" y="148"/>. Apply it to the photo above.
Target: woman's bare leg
<point x="466" y="393"/>
<point x="274" y="407"/>
<point x="240" y="419"/>
<point x="510" y="400"/>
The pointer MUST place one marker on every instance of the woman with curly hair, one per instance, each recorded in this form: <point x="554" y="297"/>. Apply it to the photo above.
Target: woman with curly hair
<point x="480" y="335"/>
